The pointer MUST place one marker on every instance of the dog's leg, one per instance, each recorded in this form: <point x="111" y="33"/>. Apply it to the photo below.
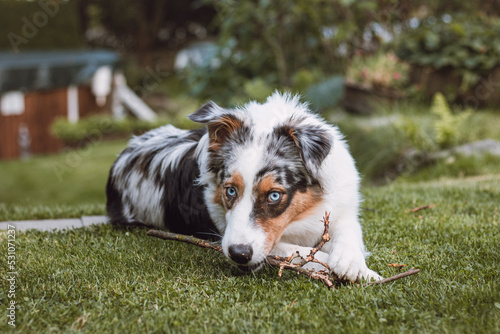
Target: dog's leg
<point x="283" y="249"/>
<point x="347" y="255"/>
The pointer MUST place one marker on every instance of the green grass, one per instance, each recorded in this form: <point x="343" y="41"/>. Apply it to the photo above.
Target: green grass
<point x="455" y="166"/>
<point x="70" y="184"/>
<point x="103" y="279"/>
<point x="379" y="142"/>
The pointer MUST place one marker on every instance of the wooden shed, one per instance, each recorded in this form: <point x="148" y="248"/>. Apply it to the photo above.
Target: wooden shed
<point x="38" y="87"/>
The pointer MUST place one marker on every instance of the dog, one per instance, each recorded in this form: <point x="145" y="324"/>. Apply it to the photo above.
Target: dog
<point x="260" y="176"/>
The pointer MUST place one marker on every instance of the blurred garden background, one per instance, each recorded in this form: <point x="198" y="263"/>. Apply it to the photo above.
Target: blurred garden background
<point x="407" y="81"/>
<point x="414" y="85"/>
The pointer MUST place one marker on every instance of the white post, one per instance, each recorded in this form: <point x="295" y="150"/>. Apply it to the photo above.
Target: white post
<point x="126" y="97"/>
<point x="73" y="112"/>
<point x="116" y="104"/>
<point x="101" y="84"/>
<point x="12" y="103"/>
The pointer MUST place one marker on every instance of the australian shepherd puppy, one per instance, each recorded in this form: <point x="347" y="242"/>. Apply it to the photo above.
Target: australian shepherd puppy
<point x="260" y="176"/>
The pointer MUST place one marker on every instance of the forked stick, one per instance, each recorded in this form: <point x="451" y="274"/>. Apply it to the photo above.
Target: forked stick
<point x="286" y="262"/>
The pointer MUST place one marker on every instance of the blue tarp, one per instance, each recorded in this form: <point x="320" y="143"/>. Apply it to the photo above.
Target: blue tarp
<point x="28" y="71"/>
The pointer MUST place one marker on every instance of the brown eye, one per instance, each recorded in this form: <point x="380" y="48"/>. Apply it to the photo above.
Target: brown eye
<point x="274" y="197"/>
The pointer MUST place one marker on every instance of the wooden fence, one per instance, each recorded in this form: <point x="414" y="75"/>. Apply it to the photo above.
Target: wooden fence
<point x="41" y="109"/>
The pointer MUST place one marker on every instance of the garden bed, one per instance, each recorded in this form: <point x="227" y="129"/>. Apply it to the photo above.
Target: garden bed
<point x="361" y="99"/>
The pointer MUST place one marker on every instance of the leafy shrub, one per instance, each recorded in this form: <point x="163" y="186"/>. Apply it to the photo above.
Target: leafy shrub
<point x="100" y="125"/>
<point x="377" y="150"/>
<point x="305" y="78"/>
<point x="469" y="43"/>
<point x="257" y="89"/>
<point x="276" y="40"/>
<point x="448" y="126"/>
<point x="68" y="132"/>
<point x="418" y="135"/>
<point x="404" y="135"/>
<point x="438" y="133"/>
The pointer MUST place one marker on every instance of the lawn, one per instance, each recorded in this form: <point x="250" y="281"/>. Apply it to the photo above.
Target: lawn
<point x="70" y="184"/>
<point x="103" y="279"/>
<point x="110" y="280"/>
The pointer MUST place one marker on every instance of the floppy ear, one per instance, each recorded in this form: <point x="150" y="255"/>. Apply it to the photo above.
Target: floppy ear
<point x="220" y="130"/>
<point x="209" y="112"/>
<point x="313" y="142"/>
<point x="221" y="124"/>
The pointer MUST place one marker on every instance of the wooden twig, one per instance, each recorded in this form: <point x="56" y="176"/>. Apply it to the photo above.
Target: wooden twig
<point x="324" y="239"/>
<point x="418" y="208"/>
<point x="184" y="238"/>
<point x="285" y="262"/>
<point x="318" y="275"/>
<point x="410" y="272"/>
<point x="274" y="261"/>
<point x="299" y="267"/>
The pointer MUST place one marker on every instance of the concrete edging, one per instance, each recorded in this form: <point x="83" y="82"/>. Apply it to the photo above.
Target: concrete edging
<point x="54" y="224"/>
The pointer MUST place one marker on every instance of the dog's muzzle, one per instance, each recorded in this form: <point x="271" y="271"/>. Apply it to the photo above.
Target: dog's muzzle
<point x="240" y="253"/>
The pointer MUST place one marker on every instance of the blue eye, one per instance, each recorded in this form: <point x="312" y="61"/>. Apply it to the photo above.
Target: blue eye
<point x="274" y="197"/>
<point x="230" y="191"/>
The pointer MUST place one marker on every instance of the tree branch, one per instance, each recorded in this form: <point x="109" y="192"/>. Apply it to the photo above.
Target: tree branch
<point x="286" y="262"/>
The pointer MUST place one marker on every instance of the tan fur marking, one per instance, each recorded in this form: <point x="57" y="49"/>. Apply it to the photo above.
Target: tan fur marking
<point x="293" y="134"/>
<point x="221" y="129"/>
<point x="301" y="205"/>
<point x="291" y="129"/>
<point x="218" y="195"/>
<point x="236" y="181"/>
<point x="266" y="185"/>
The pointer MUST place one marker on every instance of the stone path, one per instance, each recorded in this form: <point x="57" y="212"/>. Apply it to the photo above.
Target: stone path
<point x="478" y="148"/>
<point x="54" y="224"/>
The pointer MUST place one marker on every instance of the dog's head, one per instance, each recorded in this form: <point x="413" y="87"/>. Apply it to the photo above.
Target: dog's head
<point x="265" y="160"/>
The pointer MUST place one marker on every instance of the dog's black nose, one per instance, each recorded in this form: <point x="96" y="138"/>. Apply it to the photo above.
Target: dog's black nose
<point x="240" y="253"/>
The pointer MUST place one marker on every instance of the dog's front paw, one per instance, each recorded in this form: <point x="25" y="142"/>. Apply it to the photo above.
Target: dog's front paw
<point x="348" y="263"/>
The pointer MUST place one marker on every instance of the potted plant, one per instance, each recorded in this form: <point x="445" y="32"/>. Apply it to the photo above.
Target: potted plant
<point x="372" y="79"/>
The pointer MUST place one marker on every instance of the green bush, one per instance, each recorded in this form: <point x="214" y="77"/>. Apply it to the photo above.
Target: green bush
<point x="257" y="89"/>
<point x="402" y="137"/>
<point x="442" y="130"/>
<point x="305" y="78"/>
<point x="278" y="41"/>
<point x="467" y="43"/>
<point x="69" y="132"/>
<point x="448" y="126"/>
<point x="101" y="125"/>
